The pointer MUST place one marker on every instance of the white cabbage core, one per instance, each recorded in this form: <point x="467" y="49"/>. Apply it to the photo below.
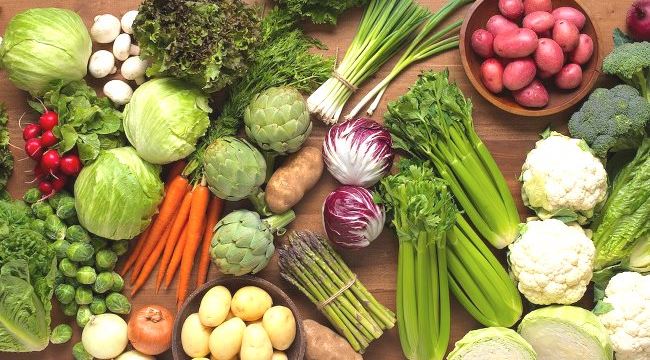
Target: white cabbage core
<point x="560" y="341"/>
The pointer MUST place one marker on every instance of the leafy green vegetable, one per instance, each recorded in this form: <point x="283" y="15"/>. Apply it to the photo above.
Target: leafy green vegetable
<point x="61" y="334"/>
<point x="631" y="63"/>
<point x="621" y="38"/>
<point x="67" y="267"/>
<point x="498" y="342"/>
<point x="209" y="43"/>
<point x="42" y="210"/>
<point x="80" y="251"/>
<point x="32" y="195"/>
<point x="118" y="303"/>
<point x="105" y="259"/>
<point x="64" y="293"/>
<point x="83" y="315"/>
<point x="320" y="11"/>
<point x="76" y="233"/>
<point x="83" y="295"/>
<point x="70" y="309"/>
<point x="98" y="306"/>
<point x="86" y="275"/>
<point x="118" y="282"/>
<point x="6" y="159"/>
<point x="433" y="122"/>
<point x="104" y="282"/>
<point x="55" y="229"/>
<point x="80" y="353"/>
<point x="120" y="247"/>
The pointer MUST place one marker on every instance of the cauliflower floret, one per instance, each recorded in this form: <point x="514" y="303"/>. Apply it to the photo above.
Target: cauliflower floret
<point x="628" y="320"/>
<point x="552" y="262"/>
<point x="561" y="177"/>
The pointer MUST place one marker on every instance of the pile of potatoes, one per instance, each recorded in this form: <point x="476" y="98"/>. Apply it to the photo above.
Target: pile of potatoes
<point x="245" y="326"/>
<point x="530" y="46"/>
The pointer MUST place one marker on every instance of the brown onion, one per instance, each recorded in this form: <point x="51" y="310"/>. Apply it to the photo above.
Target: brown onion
<point x="150" y="329"/>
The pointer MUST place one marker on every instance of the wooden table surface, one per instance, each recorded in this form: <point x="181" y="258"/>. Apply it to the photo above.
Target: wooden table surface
<point x="508" y="137"/>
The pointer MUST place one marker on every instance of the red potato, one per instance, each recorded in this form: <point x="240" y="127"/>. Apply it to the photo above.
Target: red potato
<point x="570" y="77"/>
<point x="570" y="14"/>
<point x="498" y="24"/>
<point x="492" y="75"/>
<point x="531" y="6"/>
<point x="512" y="9"/>
<point x="519" y="73"/>
<point x="539" y="21"/>
<point x="543" y="75"/>
<point x="566" y="35"/>
<point x="549" y="56"/>
<point x="515" y="44"/>
<point x="534" y="95"/>
<point x="583" y="52"/>
<point x="482" y="42"/>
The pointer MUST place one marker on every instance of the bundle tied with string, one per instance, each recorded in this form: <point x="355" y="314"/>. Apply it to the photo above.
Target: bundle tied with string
<point x="312" y="265"/>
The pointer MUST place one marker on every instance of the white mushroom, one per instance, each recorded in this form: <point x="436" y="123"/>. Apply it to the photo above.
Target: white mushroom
<point x="134" y="50"/>
<point x="105" y="29"/>
<point x="118" y="91"/>
<point x="134" y="68"/>
<point x="122" y="47"/>
<point x="101" y="64"/>
<point x="127" y="21"/>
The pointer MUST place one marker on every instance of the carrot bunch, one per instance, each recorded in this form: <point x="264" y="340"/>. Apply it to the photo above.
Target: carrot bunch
<point x="182" y="227"/>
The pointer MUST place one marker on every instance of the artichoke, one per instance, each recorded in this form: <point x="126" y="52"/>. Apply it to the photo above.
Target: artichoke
<point x="234" y="168"/>
<point x="243" y="242"/>
<point x="278" y="120"/>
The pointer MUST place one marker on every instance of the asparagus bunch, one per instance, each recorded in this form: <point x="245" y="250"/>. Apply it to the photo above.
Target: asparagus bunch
<point x="310" y="263"/>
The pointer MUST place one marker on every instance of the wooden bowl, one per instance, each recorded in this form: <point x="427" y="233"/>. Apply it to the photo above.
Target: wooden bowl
<point x="559" y="100"/>
<point x="191" y="305"/>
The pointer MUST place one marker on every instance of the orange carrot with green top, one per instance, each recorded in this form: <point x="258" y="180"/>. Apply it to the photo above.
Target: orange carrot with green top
<point x="150" y="263"/>
<point x="177" y="229"/>
<point x="176" y="259"/>
<point x="212" y="217"/>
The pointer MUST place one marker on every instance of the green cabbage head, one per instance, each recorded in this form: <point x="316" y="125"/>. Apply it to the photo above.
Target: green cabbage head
<point x="43" y="45"/>
<point x="117" y="195"/>
<point x="164" y="120"/>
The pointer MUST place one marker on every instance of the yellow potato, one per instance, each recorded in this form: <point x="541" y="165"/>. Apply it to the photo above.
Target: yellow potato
<point x="230" y="315"/>
<point x="233" y="358"/>
<point x="280" y="324"/>
<point x="256" y="344"/>
<point x="226" y="339"/>
<point x="215" y="306"/>
<point x="279" y="355"/>
<point x="250" y="303"/>
<point x="195" y="337"/>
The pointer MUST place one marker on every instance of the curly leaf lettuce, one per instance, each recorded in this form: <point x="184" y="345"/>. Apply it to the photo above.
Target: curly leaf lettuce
<point x="321" y="11"/>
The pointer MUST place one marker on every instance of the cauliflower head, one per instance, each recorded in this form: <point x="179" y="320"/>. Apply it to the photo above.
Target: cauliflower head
<point x="625" y="312"/>
<point x="562" y="178"/>
<point x="552" y="262"/>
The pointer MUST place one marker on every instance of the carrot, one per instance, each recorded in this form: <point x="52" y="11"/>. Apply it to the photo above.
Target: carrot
<point x="177" y="228"/>
<point x="151" y="262"/>
<point x="177" y="190"/>
<point x="135" y="253"/>
<point x="176" y="169"/>
<point x="214" y="212"/>
<point x="194" y="229"/>
<point x="176" y="259"/>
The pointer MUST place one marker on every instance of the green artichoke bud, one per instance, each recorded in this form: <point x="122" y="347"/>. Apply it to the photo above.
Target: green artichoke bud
<point x="243" y="242"/>
<point x="278" y="120"/>
<point x="234" y="168"/>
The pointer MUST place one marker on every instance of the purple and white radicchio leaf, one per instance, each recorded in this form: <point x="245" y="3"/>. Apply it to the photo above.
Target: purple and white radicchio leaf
<point x="358" y="152"/>
<point x="351" y="218"/>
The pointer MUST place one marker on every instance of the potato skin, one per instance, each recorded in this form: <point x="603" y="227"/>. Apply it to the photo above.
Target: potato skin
<point x="584" y="51"/>
<point x="280" y="325"/>
<point x="566" y="35"/>
<point x="572" y="15"/>
<point x="256" y="344"/>
<point x="519" y="73"/>
<point x="297" y="175"/>
<point x="516" y="44"/>
<point x="534" y="95"/>
<point x="549" y="57"/>
<point x="570" y="77"/>
<point x="539" y="21"/>
<point x="226" y="339"/>
<point x="498" y="24"/>
<point x="531" y="6"/>
<point x="195" y="337"/>
<point x="482" y="42"/>
<point x="250" y="303"/>
<point x="215" y="306"/>
<point x="512" y="9"/>
<point x="325" y="344"/>
<point x="492" y="75"/>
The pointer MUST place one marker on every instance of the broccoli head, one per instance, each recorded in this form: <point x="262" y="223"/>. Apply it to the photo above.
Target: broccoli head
<point x="631" y="63"/>
<point x="611" y="120"/>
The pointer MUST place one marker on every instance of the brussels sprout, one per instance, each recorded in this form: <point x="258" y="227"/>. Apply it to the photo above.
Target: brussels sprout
<point x="106" y="259"/>
<point x="65" y="209"/>
<point x="83" y="315"/>
<point x="61" y="247"/>
<point x="72" y="281"/>
<point x="38" y="225"/>
<point x="42" y="210"/>
<point x="32" y="195"/>
<point x="76" y="233"/>
<point x="80" y="251"/>
<point x="120" y="247"/>
<point x="98" y="306"/>
<point x="99" y="243"/>
<point x="80" y="353"/>
<point x="118" y="282"/>
<point x="59" y="278"/>
<point x="68" y="268"/>
<point x="83" y="295"/>
<point x="86" y="275"/>
<point x="64" y="293"/>
<point x="73" y="220"/>
<point x="70" y="309"/>
<point x="56" y="198"/>
<point x="61" y="334"/>
<point x="118" y="303"/>
<point x="54" y="228"/>
<point x="103" y="283"/>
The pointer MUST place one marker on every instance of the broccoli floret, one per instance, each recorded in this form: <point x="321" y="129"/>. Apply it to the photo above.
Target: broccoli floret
<point x="611" y="120"/>
<point x="631" y="63"/>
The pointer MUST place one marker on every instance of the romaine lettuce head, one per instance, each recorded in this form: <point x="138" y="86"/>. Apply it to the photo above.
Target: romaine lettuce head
<point x="492" y="343"/>
<point x="164" y="120"/>
<point x="43" y="45"/>
<point x="117" y="195"/>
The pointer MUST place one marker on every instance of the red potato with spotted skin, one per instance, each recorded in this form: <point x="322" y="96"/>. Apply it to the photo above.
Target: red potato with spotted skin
<point x="482" y="43"/>
<point x="492" y="75"/>
<point x="512" y="9"/>
<point x="534" y="95"/>
<point x="584" y="51"/>
<point x="519" y="73"/>
<point x="549" y="57"/>
<point x="570" y="14"/>
<point x="515" y="44"/>
<point x="566" y="35"/>
<point x="531" y="6"/>
<point x="539" y="21"/>
<point x="570" y="77"/>
<point x="498" y="24"/>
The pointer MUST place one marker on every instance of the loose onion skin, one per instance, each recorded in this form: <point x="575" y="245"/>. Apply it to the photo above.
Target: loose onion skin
<point x="150" y="329"/>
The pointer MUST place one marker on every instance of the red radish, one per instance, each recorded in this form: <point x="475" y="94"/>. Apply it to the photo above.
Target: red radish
<point x="34" y="148"/>
<point x="48" y="139"/>
<point x="46" y="188"/>
<point x="70" y="165"/>
<point x="39" y="173"/>
<point x="638" y="20"/>
<point x="51" y="160"/>
<point x="49" y="120"/>
<point x="31" y="131"/>
<point x="58" y="183"/>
